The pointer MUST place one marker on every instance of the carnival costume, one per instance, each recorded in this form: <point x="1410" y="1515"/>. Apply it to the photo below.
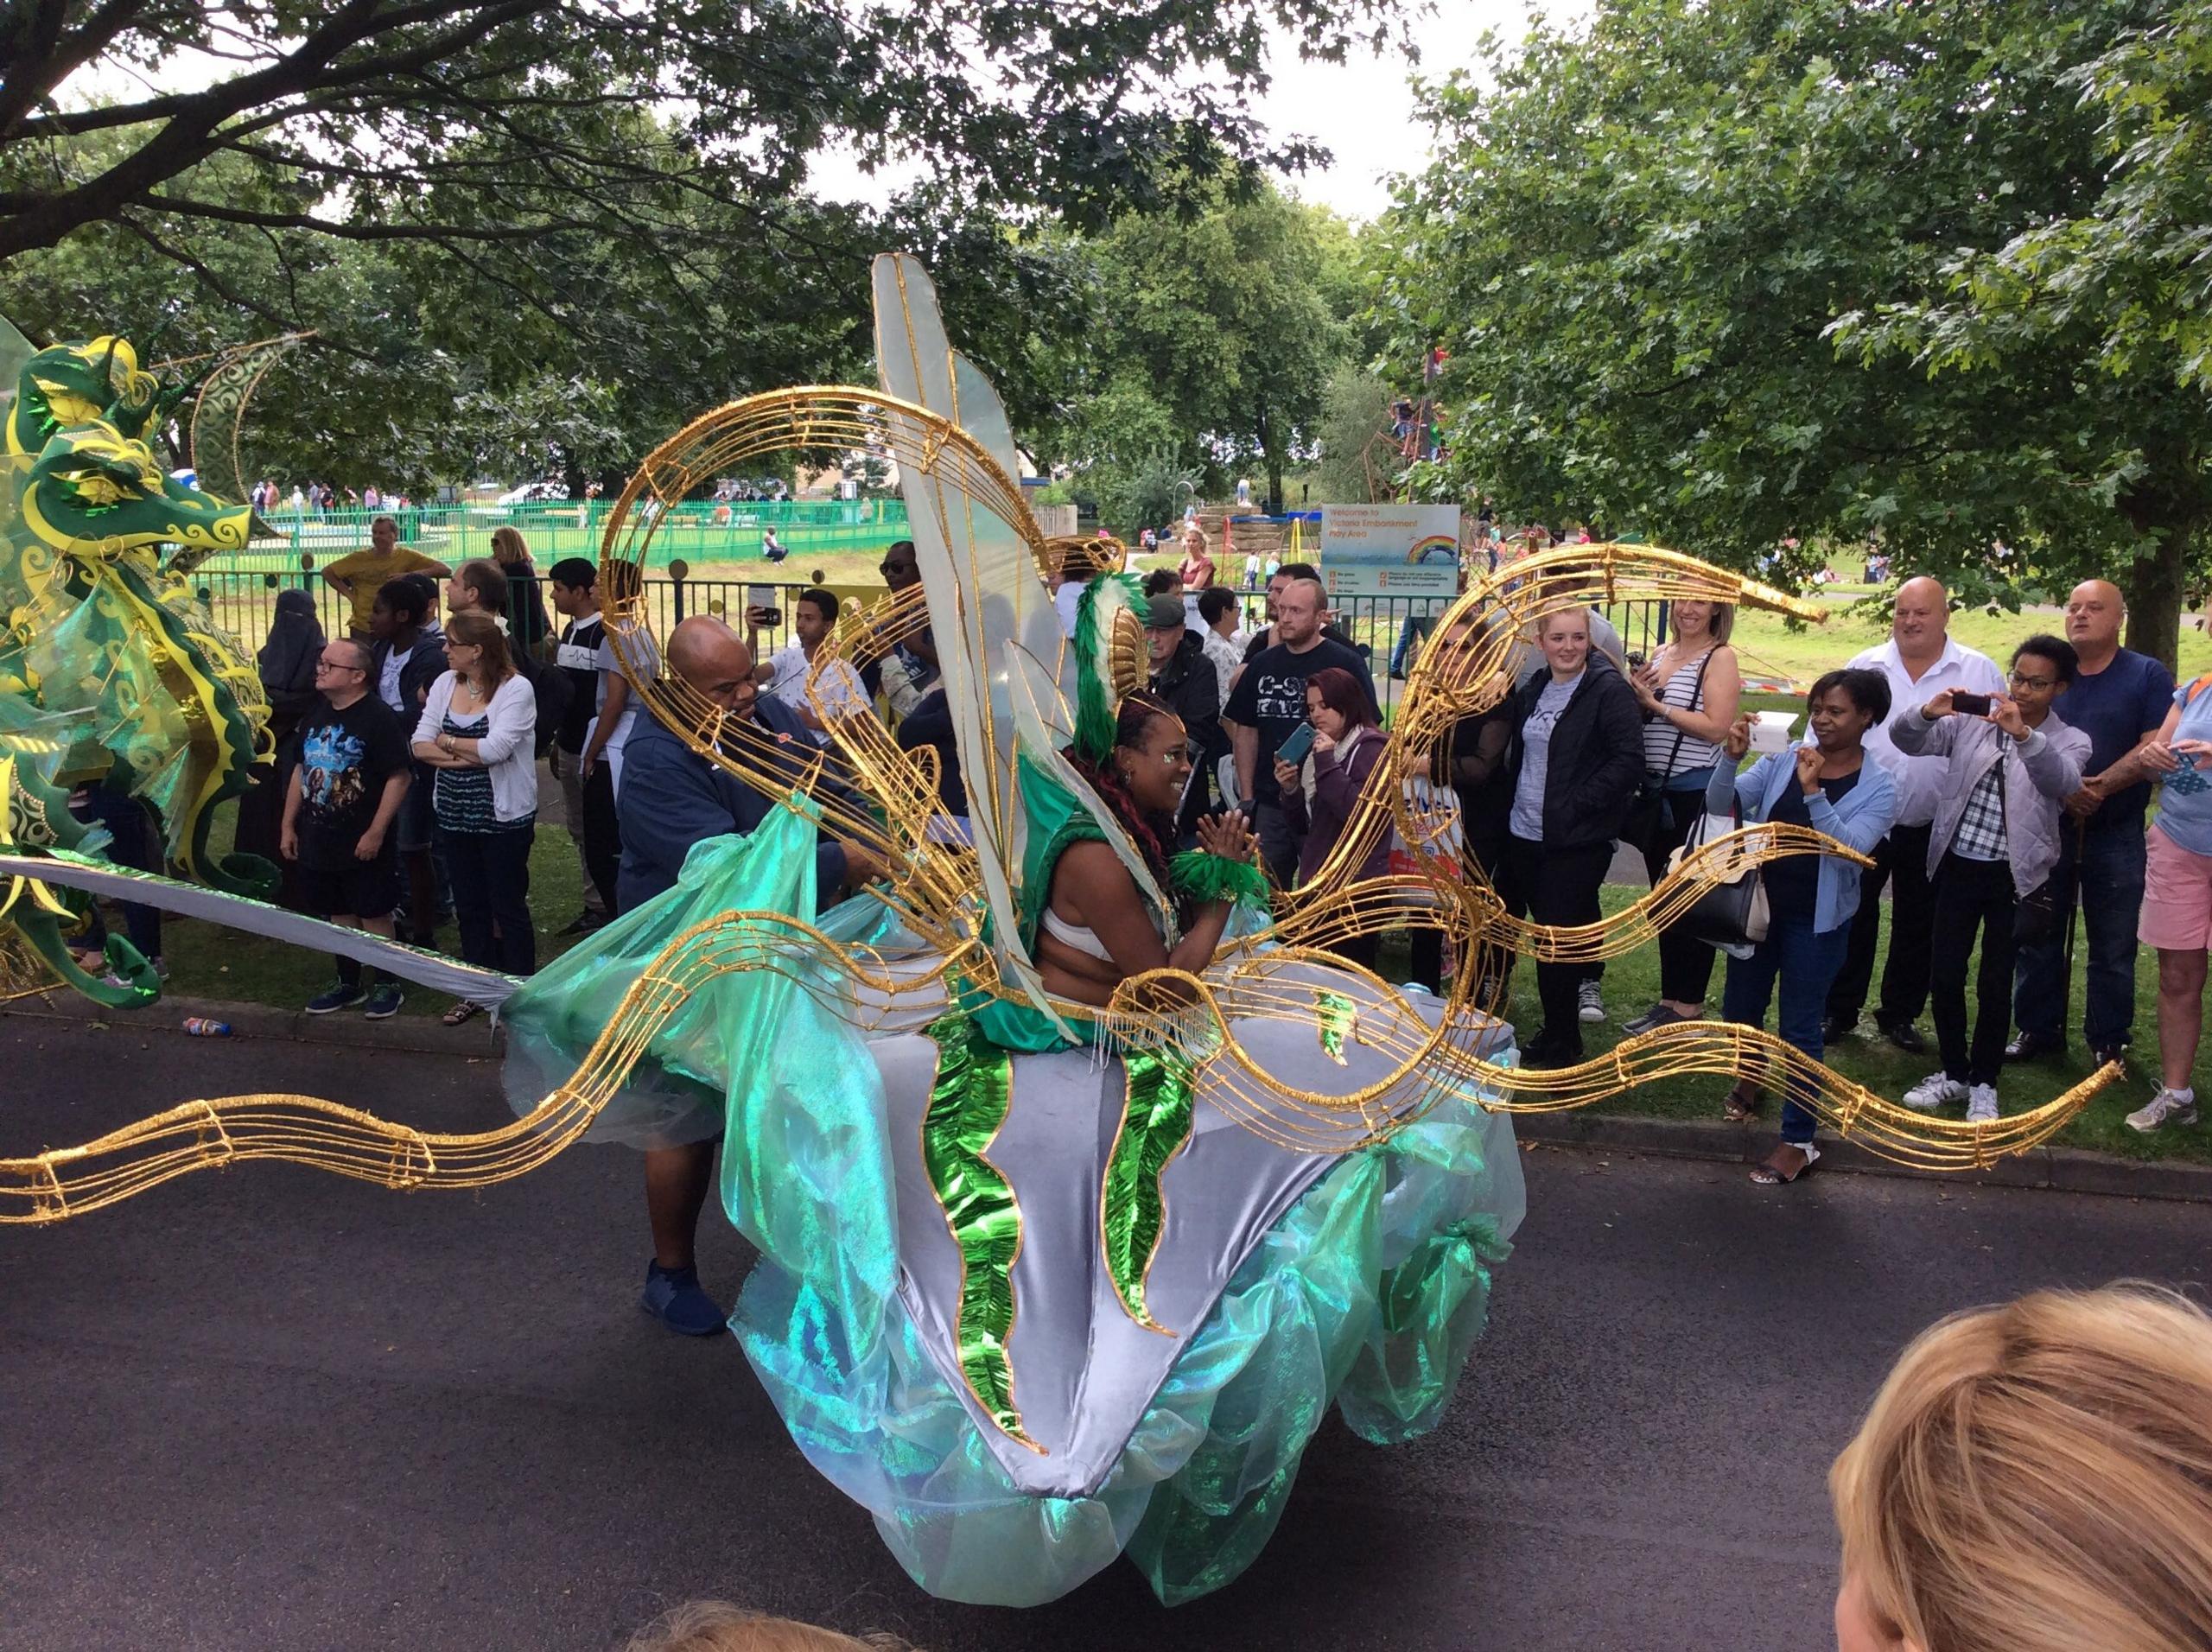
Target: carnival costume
<point x="1040" y="1282"/>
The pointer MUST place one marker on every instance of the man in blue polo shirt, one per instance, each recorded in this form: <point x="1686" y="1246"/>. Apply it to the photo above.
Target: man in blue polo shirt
<point x="2119" y="699"/>
<point x="670" y="798"/>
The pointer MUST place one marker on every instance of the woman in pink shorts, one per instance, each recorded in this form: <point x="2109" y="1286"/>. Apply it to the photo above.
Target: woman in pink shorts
<point x="2177" y="894"/>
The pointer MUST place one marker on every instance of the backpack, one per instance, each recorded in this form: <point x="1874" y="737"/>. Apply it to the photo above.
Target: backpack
<point x="554" y="691"/>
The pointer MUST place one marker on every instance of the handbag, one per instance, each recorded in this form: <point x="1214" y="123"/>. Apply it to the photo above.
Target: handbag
<point x="1648" y="808"/>
<point x="1733" y="915"/>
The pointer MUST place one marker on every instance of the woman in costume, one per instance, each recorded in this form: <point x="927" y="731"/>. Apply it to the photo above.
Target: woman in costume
<point x="1042" y="1279"/>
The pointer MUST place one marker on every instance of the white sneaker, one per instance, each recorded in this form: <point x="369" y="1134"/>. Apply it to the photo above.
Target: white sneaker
<point x="2166" y="1107"/>
<point x="1981" y="1104"/>
<point x="1590" y="1002"/>
<point x="1938" y="1090"/>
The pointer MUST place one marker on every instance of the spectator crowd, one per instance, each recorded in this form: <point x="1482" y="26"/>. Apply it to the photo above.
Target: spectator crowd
<point x="1992" y="801"/>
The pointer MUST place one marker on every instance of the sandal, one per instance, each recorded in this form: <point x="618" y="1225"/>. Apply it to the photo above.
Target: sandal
<point x="1741" y="1106"/>
<point x="1771" y="1174"/>
<point x="463" y="1010"/>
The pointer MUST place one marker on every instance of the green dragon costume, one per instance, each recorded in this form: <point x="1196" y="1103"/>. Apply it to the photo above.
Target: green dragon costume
<point x="110" y="664"/>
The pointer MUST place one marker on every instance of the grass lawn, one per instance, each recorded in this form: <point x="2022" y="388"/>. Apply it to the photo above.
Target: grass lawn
<point x="1632" y="985"/>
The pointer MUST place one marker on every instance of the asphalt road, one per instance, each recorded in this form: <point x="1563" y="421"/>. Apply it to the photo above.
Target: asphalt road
<point x="267" y="1408"/>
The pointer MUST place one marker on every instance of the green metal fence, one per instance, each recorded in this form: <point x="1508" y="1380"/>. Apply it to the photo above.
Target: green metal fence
<point x="700" y="532"/>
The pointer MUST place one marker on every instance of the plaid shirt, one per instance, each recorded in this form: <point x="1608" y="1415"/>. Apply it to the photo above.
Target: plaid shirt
<point x="1981" y="836"/>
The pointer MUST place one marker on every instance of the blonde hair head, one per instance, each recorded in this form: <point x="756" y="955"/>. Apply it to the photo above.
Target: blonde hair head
<point x="717" y="1626"/>
<point x="2037" y="1477"/>
<point x="508" y="546"/>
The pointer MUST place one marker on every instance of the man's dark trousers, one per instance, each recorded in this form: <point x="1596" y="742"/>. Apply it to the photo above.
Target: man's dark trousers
<point x="1901" y="862"/>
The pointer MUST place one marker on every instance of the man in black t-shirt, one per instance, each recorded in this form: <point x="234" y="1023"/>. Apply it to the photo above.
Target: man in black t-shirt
<point x="338" y="816"/>
<point x="1278" y="583"/>
<point x="590" y="809"/>
<point x="1269" y="701"/>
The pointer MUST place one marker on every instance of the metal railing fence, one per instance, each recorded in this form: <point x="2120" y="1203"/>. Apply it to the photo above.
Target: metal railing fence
<point x="1390" y="631"/>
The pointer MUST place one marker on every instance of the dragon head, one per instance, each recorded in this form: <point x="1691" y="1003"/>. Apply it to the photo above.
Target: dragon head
<point x="80" y="382"/>
<point x="92" y="486"/>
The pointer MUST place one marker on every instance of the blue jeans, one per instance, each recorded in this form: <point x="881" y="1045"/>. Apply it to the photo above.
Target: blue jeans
<point x="2106" y="876"/>
<point x="1415" y="628"/>
<point x="1805" y="961"/>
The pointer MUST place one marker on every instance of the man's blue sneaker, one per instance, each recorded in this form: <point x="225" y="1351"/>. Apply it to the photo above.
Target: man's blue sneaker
<point x="384" y="1003"/>
<point x="339" y="997"/>
<point x="674" y="1297"/>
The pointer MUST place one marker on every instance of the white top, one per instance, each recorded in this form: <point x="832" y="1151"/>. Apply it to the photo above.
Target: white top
<point x="1225" y="654"/>
<point x="838" y="688"/>
<point x="1919" y="780"/>
<point x="611" y="668"/>
<point x="1065" y="599"/>
<point x="1083" y="940"/>
<point x="1669" y="751"/>
<point x="388" y="679"/>
<point x="508" y="747"/>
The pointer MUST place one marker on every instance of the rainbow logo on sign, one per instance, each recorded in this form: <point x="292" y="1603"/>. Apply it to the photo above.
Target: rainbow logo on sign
<point x="1438" y="547"/>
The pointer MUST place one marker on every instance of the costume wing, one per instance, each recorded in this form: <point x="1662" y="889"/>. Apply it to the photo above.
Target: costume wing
<point x="998" y="634"/>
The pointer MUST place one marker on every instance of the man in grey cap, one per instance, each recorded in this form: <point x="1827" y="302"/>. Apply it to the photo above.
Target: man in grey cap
<point x="1183" y="677"/>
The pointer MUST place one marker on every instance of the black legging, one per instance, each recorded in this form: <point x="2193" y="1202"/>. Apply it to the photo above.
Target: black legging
<point x="1685" y="965"/>
<point x="602" y="833"/>
<point x="1554" y="886"/>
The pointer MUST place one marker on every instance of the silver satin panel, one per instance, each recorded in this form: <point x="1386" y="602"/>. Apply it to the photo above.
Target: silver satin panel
<point x="486" y="987"/>
<point x="1084" y="1371"/>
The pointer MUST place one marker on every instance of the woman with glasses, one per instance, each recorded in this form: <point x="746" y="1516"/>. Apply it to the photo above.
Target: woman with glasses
<point x="1994" y="842"/>
<point x="1825" y="785"/>
<point x="478" y="731"/>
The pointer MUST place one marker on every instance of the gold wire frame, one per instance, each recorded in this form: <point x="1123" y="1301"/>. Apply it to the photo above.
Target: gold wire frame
<point x="867" y="790"/>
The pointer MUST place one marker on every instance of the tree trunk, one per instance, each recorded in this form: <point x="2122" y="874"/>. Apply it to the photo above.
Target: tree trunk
<point x="2156" y="595"/>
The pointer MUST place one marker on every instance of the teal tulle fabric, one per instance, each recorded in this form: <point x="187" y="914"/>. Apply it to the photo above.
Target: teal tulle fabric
<point x="1367" y="1293"/>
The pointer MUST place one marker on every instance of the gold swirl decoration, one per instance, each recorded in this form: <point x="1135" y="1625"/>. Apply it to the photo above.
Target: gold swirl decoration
<point x="867" y="789"/>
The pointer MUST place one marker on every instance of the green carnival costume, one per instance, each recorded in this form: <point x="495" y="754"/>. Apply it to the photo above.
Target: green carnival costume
<point x="110" y="666"/>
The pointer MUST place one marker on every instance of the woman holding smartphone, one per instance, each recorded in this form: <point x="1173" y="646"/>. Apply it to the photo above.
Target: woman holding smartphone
<point x="1994" y="841"/>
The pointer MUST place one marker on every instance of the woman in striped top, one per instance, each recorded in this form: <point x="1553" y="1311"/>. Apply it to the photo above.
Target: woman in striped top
<point x="478" y="731"/>
<point x="1689" y="694"/>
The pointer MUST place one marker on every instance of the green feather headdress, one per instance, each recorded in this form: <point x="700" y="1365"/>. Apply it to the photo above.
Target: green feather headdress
<point x="1110" y="658"/>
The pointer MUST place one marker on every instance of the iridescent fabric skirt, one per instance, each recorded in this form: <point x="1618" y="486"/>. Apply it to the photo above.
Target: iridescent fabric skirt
<point x="1013" y="1431"/>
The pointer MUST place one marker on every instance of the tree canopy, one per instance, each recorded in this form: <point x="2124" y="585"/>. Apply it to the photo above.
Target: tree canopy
<point x="567" y="224"/>
<point x="1210" y="337"/>
<point x="1749" y="270"/>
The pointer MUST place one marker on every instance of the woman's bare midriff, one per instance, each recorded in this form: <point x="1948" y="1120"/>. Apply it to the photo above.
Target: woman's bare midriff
<point x="1075" y="975"/>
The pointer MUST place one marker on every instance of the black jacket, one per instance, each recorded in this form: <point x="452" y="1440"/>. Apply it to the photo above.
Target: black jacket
<point x="1596" y="759"/>
<point x="1192" y="691"/>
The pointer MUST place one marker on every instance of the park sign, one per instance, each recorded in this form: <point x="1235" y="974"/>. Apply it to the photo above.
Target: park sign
<point x="1390" y="550"/>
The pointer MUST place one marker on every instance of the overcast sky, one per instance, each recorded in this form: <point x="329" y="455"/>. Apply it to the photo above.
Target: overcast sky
<point x="1358" y="109"/>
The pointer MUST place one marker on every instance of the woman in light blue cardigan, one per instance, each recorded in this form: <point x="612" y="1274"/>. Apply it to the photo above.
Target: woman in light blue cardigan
<point x="1828" y="784"/>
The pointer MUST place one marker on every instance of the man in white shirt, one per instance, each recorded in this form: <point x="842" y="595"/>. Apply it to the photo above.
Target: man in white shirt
<point x="814" y="615"/>
<point x="1920" y="661"/>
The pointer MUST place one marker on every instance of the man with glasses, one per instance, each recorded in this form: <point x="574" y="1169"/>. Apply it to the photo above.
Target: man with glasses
<point x="353" y="774"/>
<point x="908" y="672"/>
<point x="672" y="799"/>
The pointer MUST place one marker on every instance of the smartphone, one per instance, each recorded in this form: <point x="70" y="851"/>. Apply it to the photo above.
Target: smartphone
<point x="764" y="597"/>
<point x="1295" y="744"/>
<point x="1970" y="705"/>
